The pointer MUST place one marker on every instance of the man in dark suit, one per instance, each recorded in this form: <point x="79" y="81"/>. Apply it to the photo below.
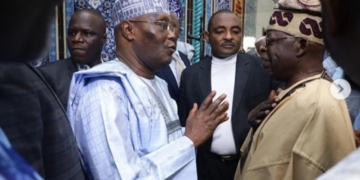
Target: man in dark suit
<point x="31" y="115"/>
<point x="86" y="36"/>
<point x="241" y="77"/>
<point x="172" y="72"/>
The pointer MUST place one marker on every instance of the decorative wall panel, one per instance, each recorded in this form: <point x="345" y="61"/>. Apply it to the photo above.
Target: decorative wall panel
<point x="198" y="13"/>
<point x="208" y="13"/>
<point x="178" y="6"/>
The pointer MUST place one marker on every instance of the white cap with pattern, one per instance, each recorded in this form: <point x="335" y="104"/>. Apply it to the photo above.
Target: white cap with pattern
<point x="123" y="10"/>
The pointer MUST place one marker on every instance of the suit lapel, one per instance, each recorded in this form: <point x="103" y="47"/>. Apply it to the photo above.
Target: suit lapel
<point x="204" y="77"/>
<point x="171" y="78"/>
<point x="72" y="67"/>
<point x="184" y="58"/>
<point x="241" y="78"/>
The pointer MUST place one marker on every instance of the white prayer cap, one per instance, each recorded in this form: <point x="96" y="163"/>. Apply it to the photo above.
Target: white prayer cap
<point x="126" y="9"/>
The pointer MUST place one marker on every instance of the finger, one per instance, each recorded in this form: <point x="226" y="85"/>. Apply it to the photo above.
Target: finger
<point x="222" y="118"/>
<point x="357" y="133"/>
<point x="193" y="110"/>
<point x="258" y="122"/>
<point x="220" y="110"/>
<point x="216" y="103"/>
<point x="272" y="94"/>
<point x="261" y="115"/>
<point x="357" y="142"/>
<point x="208" y="100"/>
<point x="269" y="106"/>
<point x="277" y="99"/>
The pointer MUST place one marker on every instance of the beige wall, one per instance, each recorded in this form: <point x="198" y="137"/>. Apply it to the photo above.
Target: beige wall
<point x="257" y="20"/>
<point x="264" y="11"/>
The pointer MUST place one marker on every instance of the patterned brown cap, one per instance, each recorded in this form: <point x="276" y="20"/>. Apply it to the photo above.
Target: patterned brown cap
<point x="299" y="18"/>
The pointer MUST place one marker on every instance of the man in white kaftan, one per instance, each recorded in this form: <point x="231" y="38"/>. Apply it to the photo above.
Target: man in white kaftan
<point x="124" y="120"/>
<point x="125" y="138"/>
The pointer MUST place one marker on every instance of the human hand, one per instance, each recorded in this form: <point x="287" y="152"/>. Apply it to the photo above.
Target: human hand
<point x="202" y="122"/>
<point x="258" y="114"/>
<point x="357" y="137"/>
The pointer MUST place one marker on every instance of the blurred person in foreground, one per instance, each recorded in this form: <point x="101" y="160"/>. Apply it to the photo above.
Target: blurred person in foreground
<point x="341" y="20"/>
<point x="31" y="115"/>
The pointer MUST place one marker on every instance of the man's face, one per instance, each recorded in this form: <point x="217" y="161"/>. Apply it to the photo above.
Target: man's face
<point x="25" y="31"/>
<point x="262" y="51"/>
<point x="225" y="35"/>
<point x="154" y="41"/>
<point x="176" y="25"/>
<point x="281" y="54"/>
<point x="85" y="38"/>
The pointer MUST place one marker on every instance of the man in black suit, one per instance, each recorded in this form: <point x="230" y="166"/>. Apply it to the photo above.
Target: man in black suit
<point x="238" y="75"/>
<point x="86" y="36"/>
<point x="172" y="72"/>
<point x="31" y="115"/>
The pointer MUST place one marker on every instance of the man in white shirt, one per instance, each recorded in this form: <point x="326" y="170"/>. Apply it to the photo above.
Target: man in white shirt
<point x="239" y="76"/>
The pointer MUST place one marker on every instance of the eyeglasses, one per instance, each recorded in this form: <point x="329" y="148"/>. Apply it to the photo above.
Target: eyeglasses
<point x="166" y="26"/>
<point x="268" y="42"/>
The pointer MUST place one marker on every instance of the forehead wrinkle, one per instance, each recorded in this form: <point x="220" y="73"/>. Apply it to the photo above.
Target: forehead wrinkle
<point x="152" y="17"/>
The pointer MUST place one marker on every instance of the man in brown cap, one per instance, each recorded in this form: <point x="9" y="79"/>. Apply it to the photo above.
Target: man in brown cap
<point x="309" y="130"/>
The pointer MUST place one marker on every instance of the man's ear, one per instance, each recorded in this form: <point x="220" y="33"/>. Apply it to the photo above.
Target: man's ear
<point x="206" y="36"/>
<point x="127" y="30"/>
<point x="302" y="45"/>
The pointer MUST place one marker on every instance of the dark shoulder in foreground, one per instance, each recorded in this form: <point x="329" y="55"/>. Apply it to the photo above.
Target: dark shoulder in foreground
<point x="61" y="62"/>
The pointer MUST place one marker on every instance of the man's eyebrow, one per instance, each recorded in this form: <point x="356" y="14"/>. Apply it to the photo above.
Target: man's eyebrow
<point x="223" y="27"/>
<point x="219" y="27"/>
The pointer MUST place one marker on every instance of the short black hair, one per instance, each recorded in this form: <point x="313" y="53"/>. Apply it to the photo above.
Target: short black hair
<point x="216" y="13"/>
<point x="97" y="14"/>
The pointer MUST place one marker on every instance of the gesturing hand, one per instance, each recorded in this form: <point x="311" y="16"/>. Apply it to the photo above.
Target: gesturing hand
<point x="258" y="114"/>
<point x="201" y="123"/>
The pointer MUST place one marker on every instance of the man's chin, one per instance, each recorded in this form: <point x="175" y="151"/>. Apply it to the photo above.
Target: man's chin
<point x="78" y="60"/>
<point x="225" y="54"/>
<point x="162" y="65"/>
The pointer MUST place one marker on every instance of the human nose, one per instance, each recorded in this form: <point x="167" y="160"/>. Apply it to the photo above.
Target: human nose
<point x="263" y="48"/>
<point x="228" y="35"/>
<point x="171" y="31"/>
<point x="78" y="37"/>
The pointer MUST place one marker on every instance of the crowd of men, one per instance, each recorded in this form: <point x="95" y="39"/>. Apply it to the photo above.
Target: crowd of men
<point x="151" y="114"/>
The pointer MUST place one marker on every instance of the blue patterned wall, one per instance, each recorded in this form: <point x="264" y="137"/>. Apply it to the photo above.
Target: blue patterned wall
<point x="208" y="13"/>
<point x="178" y="6"/>
<point x="223" y="4"/>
